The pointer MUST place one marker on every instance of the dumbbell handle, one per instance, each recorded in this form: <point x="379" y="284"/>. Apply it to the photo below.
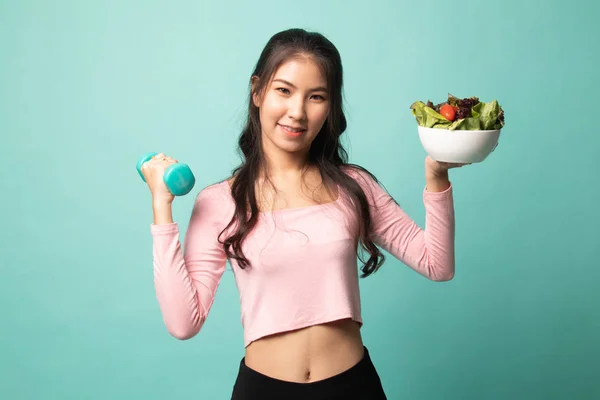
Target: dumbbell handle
<point x="178" y="177"/>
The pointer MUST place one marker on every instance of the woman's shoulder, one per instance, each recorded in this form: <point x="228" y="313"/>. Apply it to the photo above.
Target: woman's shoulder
<point x="367" y="180"/>
<point x="359" y="173"/>
<point x="217" y="192"/>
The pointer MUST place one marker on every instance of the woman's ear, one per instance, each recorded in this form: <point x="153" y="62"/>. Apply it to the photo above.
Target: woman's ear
<point x="255" y="96"/>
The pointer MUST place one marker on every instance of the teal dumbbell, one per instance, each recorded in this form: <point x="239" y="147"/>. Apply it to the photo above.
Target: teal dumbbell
<point x="178" y="177"/>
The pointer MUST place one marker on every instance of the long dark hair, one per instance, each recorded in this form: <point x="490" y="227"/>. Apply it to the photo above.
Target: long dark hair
<point x="326" y="151"/>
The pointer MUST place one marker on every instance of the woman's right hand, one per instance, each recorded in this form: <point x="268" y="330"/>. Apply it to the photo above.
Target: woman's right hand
<point x="153" y="171"/>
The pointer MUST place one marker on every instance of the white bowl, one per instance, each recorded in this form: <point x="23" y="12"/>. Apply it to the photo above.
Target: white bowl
<point x="458" y="146"/>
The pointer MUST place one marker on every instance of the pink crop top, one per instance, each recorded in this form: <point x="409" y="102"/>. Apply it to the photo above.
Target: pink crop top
<point x="304" y="268"/>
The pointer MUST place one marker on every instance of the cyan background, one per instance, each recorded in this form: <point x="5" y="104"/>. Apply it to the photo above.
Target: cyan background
<point x="87" y="87"/>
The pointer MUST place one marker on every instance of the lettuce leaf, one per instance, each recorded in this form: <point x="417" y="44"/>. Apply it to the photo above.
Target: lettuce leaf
<point x="484" y="116"/>
<point x="489" y="114"/>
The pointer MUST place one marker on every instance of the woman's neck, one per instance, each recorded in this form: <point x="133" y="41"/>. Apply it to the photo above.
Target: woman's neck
<point x="285" y="166"/>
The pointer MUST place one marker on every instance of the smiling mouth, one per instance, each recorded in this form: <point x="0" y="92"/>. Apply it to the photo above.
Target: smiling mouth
<point x="292" y="131"/>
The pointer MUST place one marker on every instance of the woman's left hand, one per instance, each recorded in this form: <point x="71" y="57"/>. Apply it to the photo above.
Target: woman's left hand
<point x="437" y="168"/>
<point x="436" y="174"/>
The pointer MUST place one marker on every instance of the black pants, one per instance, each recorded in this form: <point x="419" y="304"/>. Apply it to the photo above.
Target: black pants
<point x="360" y="382"/>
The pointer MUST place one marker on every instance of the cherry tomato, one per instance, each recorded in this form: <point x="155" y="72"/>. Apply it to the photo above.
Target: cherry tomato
<point x="448" y="112"/>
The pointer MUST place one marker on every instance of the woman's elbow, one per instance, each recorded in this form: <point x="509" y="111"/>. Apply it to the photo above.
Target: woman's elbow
<point x="441" y="274"/>
<point x="445" y="277"/>
<point x="183" y="332"/>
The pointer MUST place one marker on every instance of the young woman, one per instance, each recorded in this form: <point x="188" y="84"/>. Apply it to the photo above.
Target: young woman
<point x="292" y="220"/>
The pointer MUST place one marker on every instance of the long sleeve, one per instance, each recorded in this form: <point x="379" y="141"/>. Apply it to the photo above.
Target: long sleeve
<point x="429" y="251"/>
<point x="186" y="281"/>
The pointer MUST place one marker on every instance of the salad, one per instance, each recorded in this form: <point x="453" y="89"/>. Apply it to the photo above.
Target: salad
<point x="459" y="114"/>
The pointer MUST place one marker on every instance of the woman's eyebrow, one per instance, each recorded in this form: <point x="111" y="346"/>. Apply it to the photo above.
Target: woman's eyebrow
<point x="317" y="89"/>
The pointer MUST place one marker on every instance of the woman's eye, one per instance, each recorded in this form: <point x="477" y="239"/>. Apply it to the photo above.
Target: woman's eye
<point x="287" y="92"/>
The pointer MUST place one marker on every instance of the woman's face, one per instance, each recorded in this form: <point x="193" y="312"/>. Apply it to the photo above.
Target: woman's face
<point x="293" y="107"/>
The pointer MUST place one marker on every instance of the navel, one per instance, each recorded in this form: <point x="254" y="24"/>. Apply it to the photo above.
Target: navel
<point x="307" y="376"/>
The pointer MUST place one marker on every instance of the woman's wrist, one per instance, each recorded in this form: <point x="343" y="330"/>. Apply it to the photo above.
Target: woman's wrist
<point x="437" y="182"/>
<point x="162" y="211"/>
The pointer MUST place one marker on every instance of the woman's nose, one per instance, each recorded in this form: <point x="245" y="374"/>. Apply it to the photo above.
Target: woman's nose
<point x="296" y="109"/>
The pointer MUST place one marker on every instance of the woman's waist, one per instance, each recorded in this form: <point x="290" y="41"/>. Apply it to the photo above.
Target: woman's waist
<point x="308" y="354"/>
